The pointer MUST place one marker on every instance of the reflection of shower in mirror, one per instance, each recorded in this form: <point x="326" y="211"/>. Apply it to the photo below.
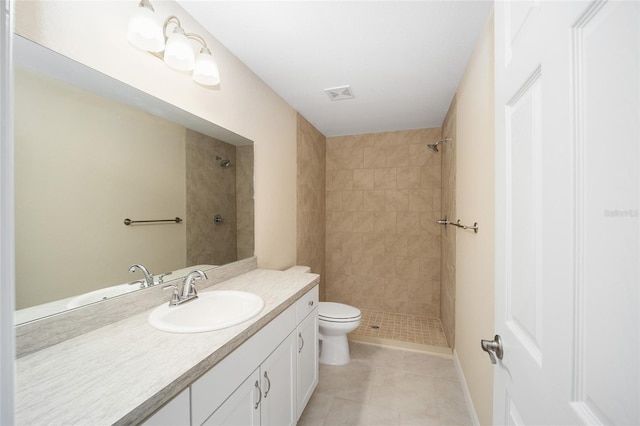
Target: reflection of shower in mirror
<point x="223" y="163"/>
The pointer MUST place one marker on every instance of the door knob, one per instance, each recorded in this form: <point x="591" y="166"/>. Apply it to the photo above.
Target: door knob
<point x="493" y="348"/>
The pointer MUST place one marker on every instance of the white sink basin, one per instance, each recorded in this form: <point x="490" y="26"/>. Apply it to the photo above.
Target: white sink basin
<point x="213" y="310"/>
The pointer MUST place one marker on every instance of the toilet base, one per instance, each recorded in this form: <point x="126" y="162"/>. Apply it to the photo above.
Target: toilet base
<point x="334" y="350"/>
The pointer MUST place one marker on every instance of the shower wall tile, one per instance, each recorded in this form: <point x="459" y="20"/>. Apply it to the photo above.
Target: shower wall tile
<point x="409" y="178"/>
<point x="397" y="200"/>
<point x="382" y="196"/>
<point x="407" y="222"/>
<point x="396" y="245"/>
<point x="339" y="180"/>
<point x="362" y="221"/>
<point x="384" y="222"/>
<point x="363" y="179"/>
<point x="334" y="201"/>
<point x="352" y="201"/>
<point x="384" y="178"/>
<point x="397" y="156"/>
<point x="448" y="249"/>
<point x="313" y="206"/>
<point x="374" y="200"/>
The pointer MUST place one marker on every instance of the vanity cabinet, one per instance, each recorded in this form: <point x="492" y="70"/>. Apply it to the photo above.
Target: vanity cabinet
<point x="267" y="396"/>
<point x="269" y="379"/>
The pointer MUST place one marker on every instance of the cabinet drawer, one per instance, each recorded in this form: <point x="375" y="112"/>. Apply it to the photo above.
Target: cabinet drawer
<point x="306" y="304"/>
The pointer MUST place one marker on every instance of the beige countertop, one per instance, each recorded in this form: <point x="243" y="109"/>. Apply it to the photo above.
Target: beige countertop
<point x="123" y="372"/>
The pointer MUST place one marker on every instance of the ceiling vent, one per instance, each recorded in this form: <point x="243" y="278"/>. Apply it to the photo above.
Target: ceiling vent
<point x="339" y="93"/>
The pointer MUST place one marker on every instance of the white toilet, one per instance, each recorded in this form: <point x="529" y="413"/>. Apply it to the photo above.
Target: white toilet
<point x="335" y="321"/>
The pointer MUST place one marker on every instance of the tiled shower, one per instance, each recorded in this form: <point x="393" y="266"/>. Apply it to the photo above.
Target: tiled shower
<point x="383" y="196"/>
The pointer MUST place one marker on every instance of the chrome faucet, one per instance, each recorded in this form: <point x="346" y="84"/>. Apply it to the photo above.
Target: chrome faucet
<point x="148" y="277"/>
<point x="188" y="288"/>
<point x="189" y="284"/>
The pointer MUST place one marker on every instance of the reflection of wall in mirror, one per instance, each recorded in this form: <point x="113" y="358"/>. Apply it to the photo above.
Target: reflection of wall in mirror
<point x="71" y="200"/>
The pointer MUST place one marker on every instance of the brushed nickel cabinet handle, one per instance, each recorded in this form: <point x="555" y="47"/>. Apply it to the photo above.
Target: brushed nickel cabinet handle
<point x="257" y="385"/>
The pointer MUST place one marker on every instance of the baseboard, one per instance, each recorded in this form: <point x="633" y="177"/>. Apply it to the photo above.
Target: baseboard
<point x="467" y="395"/>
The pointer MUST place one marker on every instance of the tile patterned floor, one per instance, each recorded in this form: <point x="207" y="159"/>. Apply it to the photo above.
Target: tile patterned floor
<point x="400" y="327"/>
<point x="387" y="386"/>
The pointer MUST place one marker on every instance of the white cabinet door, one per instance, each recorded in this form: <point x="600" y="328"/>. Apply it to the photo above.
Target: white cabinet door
<point x="307" y="361"/>
<point x="242" y="408"/>
<point x="277" y="375"/>
<point x="173" y="413"/>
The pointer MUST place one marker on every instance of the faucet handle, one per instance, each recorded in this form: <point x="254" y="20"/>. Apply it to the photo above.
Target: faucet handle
<point x="161" y="277"/>
<point x="192" y="289"/>
<point x="175" y="297"/>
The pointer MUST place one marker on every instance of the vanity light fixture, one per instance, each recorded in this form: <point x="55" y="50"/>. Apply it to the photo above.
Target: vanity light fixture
<point x="176" y="50"/>
<point x="144" y="30"/>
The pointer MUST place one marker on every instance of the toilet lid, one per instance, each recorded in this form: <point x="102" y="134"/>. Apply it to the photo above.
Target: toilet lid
<point x="337" y="311"/>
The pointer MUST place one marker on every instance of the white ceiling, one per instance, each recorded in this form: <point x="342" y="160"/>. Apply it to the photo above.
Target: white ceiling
<point x="402" y="59"/>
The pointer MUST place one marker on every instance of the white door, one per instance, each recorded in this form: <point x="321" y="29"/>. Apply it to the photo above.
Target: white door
<point x="567" y="212"/>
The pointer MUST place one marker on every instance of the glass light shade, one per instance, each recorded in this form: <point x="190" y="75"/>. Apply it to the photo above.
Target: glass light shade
<point x="178" y="53"/>
<point x="206" y="71"/>
<point x="145" y="31"/>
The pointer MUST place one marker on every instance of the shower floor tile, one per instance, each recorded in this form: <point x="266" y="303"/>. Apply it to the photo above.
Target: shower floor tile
<point x="401" y="328"/>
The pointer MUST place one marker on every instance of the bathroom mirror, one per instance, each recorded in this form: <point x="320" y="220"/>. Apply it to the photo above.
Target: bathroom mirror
<point x="90" y="152"/>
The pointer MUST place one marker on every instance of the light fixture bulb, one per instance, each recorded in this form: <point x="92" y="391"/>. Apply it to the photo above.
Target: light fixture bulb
<point x="206" y="70"/>
<point x="178" y="53"/>
<point x="144" y="30"/>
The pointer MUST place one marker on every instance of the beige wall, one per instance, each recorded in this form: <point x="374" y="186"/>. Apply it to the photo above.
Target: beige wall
<point x="383" y="198"/>
<point x="94" y="33"/>
<point x="448" y="262"/>
<point x="70" y="166"/>
<point x="475" y="203"/>
<point x="311" y="199"/>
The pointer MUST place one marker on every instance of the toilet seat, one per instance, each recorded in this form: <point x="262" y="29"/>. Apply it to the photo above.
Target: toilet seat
<point x="338" y="312"/>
